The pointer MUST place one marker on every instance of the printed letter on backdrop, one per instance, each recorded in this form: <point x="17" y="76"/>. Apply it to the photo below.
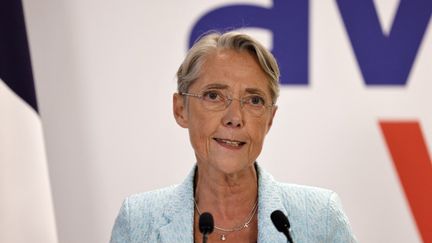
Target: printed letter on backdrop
<point x="413" y="164"/>
<point x="286" y="19"/>
<point x="385" y="60"/>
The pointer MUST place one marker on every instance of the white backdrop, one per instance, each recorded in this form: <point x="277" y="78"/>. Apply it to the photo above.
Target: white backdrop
<point x="105" y="74"/>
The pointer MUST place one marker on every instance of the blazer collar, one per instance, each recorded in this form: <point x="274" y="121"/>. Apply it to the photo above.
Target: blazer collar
<point x="269" y="200"/>
<point x="180" y="211"/>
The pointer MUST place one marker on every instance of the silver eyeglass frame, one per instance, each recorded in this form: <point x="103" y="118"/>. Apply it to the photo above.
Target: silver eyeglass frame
<point x="228" y="100"/>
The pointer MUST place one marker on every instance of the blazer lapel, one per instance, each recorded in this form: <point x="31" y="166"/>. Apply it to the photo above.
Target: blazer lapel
<point x="179" y="213"/>
<point x="268" y="200"/>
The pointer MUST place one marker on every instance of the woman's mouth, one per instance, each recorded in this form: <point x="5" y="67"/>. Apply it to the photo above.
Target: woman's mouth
<point x="229" y="142"/>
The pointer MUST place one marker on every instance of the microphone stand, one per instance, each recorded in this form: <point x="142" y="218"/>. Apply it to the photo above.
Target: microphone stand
<point x="288" y="235"/>
<point x="205" y="236"/>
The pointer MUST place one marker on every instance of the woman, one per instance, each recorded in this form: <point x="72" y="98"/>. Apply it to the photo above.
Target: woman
<point x="227" y="90"/>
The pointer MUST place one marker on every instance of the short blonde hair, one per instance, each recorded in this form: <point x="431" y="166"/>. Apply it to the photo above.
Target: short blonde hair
<point x="189" y="70"/>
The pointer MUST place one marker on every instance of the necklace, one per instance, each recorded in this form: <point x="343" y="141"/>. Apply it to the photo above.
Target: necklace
<point x="224" y="231"/>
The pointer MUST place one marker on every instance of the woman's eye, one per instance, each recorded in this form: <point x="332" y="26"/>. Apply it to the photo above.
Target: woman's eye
<point x="256" y="100"/>
<point x="212" y="95"/>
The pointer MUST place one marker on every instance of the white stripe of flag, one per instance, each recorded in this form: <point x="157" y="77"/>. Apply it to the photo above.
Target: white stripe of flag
<point x="26" y="208"/>
<point x="26" y="205"/>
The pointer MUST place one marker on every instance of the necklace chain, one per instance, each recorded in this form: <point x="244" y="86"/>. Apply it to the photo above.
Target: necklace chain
<point x="236" y="228"/>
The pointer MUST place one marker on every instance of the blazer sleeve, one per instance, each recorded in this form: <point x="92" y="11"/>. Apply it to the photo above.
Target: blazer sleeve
<point x="338" y="227"/>
<point x="121" y="230"/>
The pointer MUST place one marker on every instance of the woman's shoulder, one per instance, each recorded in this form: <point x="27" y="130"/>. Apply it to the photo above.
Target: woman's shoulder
<point x="149" y="202"/>
<point x="309" y="197"/>
<point x="318" y="210"/>
<point x="293" y="192"/>
<point x="140" y="213"/>
<point x="162" y="196"/>
<point x="154" y="195"/>
<point x="304" y="191"/>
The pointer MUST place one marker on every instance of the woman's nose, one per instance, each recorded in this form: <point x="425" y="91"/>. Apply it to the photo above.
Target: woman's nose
<point x="234" y="115"/>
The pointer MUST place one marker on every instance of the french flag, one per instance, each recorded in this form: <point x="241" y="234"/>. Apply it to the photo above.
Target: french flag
<point x="26" y="205"/>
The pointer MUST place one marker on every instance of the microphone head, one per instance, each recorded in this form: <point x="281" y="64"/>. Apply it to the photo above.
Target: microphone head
<point x="280" y="221"/>
<point x="206" y="224"/>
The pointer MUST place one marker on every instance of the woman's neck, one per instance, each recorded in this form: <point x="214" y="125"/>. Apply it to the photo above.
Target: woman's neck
<point x="227" y="196"/>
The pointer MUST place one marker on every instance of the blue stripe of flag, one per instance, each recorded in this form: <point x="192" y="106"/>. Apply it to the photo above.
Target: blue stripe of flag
<point x="15" y="64"/>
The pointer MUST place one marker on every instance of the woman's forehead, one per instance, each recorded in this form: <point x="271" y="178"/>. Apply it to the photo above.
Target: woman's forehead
<point x="244" y="88"/>
<point x="232" y="70"/>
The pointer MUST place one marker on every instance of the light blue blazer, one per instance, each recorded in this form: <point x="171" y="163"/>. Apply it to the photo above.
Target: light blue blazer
<point x="167" y="215"/>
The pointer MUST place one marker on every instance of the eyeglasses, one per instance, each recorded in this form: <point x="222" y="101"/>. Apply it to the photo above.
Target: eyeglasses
<point x="215" y="100"/>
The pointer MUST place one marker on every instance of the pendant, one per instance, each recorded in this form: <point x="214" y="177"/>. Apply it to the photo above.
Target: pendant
<point x="246" y="226"/>
<point x="223" y="237"/>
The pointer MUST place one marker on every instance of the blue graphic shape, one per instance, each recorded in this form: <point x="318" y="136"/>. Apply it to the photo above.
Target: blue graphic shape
<point x="385" y="60"/>
<point x="288" y="20"/>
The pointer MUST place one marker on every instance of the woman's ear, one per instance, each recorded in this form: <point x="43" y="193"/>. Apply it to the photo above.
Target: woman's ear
<point x="273" y="113"/>
<point x="179" y="110"/>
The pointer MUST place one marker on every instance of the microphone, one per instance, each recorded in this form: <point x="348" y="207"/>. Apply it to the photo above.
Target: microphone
<point x="206" y="225"/>
<point x="281" y="223"/>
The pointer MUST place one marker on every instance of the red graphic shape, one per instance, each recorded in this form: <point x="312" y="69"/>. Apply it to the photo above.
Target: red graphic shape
<point x="414" y="166"/>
